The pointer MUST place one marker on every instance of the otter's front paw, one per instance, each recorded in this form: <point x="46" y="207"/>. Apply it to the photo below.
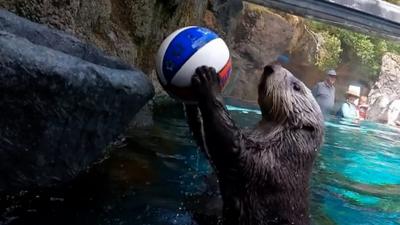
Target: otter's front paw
<point x="205" y="82"/>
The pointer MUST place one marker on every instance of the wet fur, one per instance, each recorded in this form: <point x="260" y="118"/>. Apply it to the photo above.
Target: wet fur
<point x="263" y="174"/>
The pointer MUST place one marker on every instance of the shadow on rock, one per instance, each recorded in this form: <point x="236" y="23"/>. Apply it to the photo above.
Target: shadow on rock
<point x="62" y="102"/>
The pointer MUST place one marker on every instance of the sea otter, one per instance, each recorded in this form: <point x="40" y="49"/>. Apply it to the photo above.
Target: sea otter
<point x="263" y="173"/>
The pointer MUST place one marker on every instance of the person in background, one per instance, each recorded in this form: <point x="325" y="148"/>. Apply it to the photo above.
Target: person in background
<point x="362" y="107"/>
<point x="349" y="108"/>
<point x="324" y="92"/>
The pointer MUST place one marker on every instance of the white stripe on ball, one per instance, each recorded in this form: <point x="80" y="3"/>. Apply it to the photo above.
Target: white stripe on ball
<point x="207" y="55"/>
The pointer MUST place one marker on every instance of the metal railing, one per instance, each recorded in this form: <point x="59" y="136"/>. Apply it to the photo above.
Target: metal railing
<point x="374" y="17"/>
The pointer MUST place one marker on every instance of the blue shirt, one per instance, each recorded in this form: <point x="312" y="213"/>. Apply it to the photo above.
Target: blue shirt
<point x="349" y="111"/>
<point x="325" y="96"/>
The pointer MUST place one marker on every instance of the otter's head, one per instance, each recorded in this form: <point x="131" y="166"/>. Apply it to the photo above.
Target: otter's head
<point x="285" y="100"/>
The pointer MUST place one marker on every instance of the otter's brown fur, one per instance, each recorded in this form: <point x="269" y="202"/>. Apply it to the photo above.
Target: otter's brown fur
<point x="263" y="174"/>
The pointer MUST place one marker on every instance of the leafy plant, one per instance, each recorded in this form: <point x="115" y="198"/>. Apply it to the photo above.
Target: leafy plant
<point x="338" y="42"/>
<point x="328" y="53"/>
<point x="393" y="1"/>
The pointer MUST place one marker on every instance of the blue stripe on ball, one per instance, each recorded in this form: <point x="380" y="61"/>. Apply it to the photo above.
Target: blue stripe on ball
<point x="182" y="47"/>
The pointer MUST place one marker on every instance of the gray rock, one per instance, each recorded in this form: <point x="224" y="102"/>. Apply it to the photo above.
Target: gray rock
<point x="386" y="90"/>
<point x="250" y="50"/>
<point x="61" y="103"/>
<point x="40" y="34"/>
<point x="227" y="12"/>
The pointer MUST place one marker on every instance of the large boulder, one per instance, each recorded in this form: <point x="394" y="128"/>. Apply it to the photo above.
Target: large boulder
<point x="131" y="30"/>
<point x="259" y="36"/>
<point x="62" y="102"/>
<point x="386" y="90"/>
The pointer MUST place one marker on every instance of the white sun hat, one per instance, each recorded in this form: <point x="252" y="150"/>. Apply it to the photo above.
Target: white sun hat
<point x="354" y="91"/>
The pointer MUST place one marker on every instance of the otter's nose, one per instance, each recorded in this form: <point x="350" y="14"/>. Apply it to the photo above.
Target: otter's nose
<point x="268" y="70"/>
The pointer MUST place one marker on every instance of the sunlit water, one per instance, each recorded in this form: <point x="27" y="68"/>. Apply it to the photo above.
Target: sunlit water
<point x="157" y="176"/>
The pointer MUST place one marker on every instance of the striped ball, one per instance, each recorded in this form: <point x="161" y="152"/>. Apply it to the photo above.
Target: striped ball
<point x="182" y="52"/>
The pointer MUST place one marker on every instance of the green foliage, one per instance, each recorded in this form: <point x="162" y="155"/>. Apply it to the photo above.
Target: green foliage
<point x="328" y="54"/>
<point x="364" y="48"/>
<point x="368" y="50"/>
<point x="393" y="1"/>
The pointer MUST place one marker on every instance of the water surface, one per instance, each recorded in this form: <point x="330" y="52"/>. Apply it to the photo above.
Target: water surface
<point x="158" y="176"/>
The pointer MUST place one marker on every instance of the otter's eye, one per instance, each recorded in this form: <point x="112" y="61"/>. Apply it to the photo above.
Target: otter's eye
<point x="296" y="86"/>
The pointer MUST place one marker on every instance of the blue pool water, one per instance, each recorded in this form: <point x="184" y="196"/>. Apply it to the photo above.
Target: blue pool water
<point x="157" y="176"/>
<point x="357" y="178"/>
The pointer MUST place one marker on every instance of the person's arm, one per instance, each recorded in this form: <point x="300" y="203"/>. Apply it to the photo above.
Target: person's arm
<point x="357" y="113"/>
<point x="315" y="90"/>
<point x="345" y="110"/>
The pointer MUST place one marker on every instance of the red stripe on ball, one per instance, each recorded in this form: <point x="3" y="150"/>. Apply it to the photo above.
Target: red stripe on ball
<point x="225" y="73"/>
